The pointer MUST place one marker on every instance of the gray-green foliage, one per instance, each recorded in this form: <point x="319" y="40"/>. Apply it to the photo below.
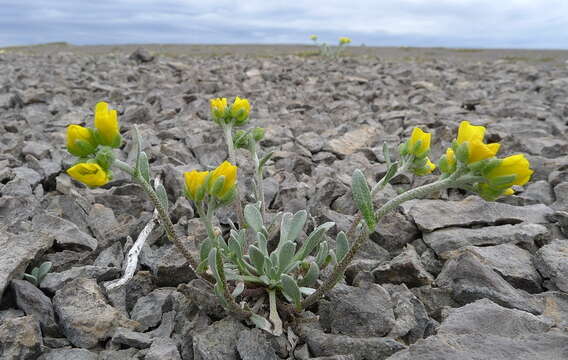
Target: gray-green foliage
<point x="289" y="268"/>
<point x="38" y="273"/>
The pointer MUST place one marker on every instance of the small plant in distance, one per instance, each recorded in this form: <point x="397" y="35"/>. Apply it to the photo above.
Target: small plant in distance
<point x="252" y="280"/>
<point x="38" y="273"/>
<point x="331" y="51"/>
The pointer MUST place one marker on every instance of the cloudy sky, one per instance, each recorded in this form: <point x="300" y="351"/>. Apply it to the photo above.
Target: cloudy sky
<point x="452" y="23"/>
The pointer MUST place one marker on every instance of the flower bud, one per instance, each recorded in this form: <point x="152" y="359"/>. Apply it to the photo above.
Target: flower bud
<point x="91" y="174"/>
<point x="80" y="141"/>
<point x="419" y="143"/>
<point x="218" y="109"/>
<point x="240" y="111"/>
<point x="106" y="123"/>
<point x="195" y="184"/>
<point x="258" y="134"/>
<point x="423" y="167"/>
<point x="222" y="180"/>
<point x="241" y="139"/>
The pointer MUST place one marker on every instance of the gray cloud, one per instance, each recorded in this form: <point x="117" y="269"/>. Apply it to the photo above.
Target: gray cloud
<point x="454" y="23"/>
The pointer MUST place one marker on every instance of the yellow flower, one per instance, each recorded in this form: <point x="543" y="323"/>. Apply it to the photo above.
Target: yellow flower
<point x="426" y="167"/>
<point x="106" y="122"/>
<point x="512" y="170"/>
<point x="313" y="37"/>
<point x="424" y="138"/>
<point x="218" y="107"/>
<point x="194" y="181"/>
<point x="344" y="40"/>
<point x="229" y="172"/>
<point x="516" y="165"/>
<point x="80" y="141"/>
<point x="240" y="110"/>
<point x="89" y="174"/>
<point x="473" y="136"/>
<point x="451" y="157"/>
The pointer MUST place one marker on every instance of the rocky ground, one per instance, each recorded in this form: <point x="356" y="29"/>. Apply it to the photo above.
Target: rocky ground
<point x="450" y="277"/>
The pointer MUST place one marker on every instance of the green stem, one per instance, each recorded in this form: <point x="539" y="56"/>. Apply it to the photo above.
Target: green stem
<point x="232" y="304"/>
<point x="258" y="178"/>
<point x="162" y="213"/>
<point x="339" y="269"/>
<point x="273" y="316"/>
<point x="228" y="132"/>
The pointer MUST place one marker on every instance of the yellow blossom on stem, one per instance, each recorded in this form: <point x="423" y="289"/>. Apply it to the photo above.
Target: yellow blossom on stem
<point x="313" y="37"/>
<point x="512" y="170"/>
<point x="473" y="136"/>
<point x="194" y="181"/>
<point x="80" y="140"/>
<point x="218" y="107"/>
<point x="419" y="150"/>
<point x="106" y="123"/>
<point x="344" y="40"/>
<point x="240" y="110"/>
<point x="229" y="173"/>
<point x="90" y="174"/>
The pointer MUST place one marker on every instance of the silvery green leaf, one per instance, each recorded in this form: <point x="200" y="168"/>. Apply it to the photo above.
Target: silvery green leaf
<point x="202" y="267"/>
<point x="313" y="240"/>
<point x="261" y="323"/>
<point x="265" y="158"/>
<point x="262" y="243"/>
<point x="286" y="254"/>
<point x="44" y="268"/>
<point x="307" y="290"/>
<point x="362" y="198"/>
<point x="254" y="218"/>
<point x="311" y="276"/>
<point x="386" y="154"/>
<point x="238" y="289"/>
<point x="143" y="166"/>
<point x="321" y="256"/>
<point x="257" y="259"/>
<point x="235" y="248"/>
<point x="291" y="289"/>
<point x="35" y="272"/>
<point x="212" y="259"/>
<point x="295" y="225"/>
<point x="285" y="228"/>
<point x="31" y="279"/>
<point x="265" y="279"/>
<point x="138" y="144"/>
<point x="342" y="245"/>
<point x="291" y="267"/>
<point x="162" y="195"/>
<point x="204" y="249"/>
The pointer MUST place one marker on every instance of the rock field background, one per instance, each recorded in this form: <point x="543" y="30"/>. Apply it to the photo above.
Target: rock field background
<point x="450" y="277"/>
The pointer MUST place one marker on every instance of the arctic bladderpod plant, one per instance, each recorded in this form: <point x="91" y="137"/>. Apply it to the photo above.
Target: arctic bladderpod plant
<point x="264" y="267"/>
<point x="331" y="51"/>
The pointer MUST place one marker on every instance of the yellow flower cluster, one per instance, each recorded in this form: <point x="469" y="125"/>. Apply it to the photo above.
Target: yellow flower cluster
<point x="237" y="114"/>
<point x="470" y="150"/>
<point x="219" y="183"/>
<point x="344" y="40"/>
<point x="84" y="143"/>
<point x="313" y="37"/>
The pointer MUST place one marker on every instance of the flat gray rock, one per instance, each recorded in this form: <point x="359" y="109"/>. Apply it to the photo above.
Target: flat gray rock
<point x="359" y="311"/>
<point x="84" y="316"/>
<point x="66" y="233"/>
<point x="469" y="279"/>
<point x="443" y="241"/>
<point x="431" y="215"/>
<point x="55" y="281"/>
<point x="163" y="348"/>
<point x="487" y="318"/>
<point x="254" y="345"/>
<point x="69" y="354"/>
<point x="148" y="309"/>
<point x="218" y="341"/>
<point x="20" y="339"/>
<point x="405" y="268"/>
<point x="513" y="263"/>
<point x="34" y="302"/>
<point x="552" y="262"/>
<point x="551" y="345"/>
<point x="23" y="249"/>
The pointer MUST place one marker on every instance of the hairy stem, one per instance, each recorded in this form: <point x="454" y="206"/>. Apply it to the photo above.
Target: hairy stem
<point x="228" y="132"/>
<point x="390" y="205"/>
<point x="162" y="213"/>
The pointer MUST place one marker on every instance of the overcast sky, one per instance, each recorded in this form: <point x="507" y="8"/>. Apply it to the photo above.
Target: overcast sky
<point x="451" y="23"/>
